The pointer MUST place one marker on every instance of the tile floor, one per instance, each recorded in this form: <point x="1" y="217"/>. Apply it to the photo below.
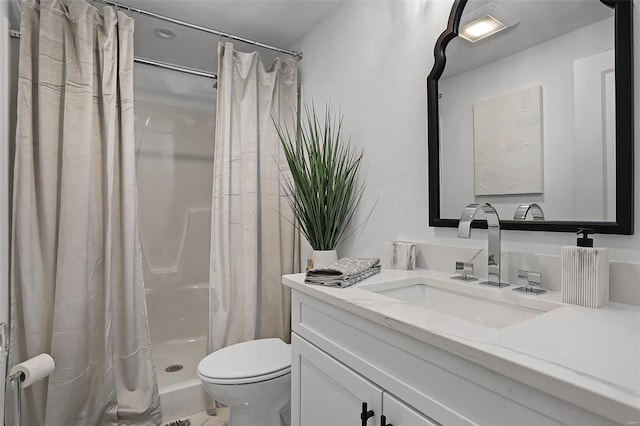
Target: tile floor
<point x="202" y="419"/>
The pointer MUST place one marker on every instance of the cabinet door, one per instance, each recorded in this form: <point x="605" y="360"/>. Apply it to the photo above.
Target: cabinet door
<point x="324" y="392"/>
<point x="398" y="413"/>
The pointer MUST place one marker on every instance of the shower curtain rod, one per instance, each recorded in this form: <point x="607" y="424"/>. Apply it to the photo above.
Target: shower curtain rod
<point x="158" y="64"/>
<point x="296" y="54"/>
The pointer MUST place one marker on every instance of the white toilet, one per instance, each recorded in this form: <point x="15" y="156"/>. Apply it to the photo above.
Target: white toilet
<point x="254" y="379"/>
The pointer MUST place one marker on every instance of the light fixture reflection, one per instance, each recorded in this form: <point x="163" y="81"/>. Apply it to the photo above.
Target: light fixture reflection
<point x="481" y="28"/>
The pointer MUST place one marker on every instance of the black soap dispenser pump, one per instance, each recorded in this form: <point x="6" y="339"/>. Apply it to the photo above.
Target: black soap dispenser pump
<point x="585" y="272"/>
<point x="585" y="241"/>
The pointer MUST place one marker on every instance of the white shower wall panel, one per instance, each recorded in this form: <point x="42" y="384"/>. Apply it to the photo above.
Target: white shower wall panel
<point x="174" y="125"/>
<point x="178" y="314"/>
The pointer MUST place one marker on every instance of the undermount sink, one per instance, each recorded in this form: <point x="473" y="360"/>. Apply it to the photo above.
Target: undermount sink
<point x="495" y="308"/>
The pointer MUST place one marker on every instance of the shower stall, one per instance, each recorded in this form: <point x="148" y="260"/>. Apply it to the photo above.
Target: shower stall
<point x="175" y="116"/>
<point x="174" y="131"/>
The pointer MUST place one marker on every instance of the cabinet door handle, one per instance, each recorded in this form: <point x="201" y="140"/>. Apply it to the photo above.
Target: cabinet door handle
<point x="383" y="421"/>
<point x="365" y="414"/>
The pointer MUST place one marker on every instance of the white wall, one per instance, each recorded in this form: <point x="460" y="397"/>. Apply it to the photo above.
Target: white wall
<point x="371" y="59"/>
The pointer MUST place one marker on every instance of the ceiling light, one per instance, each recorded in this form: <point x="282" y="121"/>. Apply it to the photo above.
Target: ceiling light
<point x="164" y="32"/>
<point x="485" y="21"/>
<point x="481" y="28"/>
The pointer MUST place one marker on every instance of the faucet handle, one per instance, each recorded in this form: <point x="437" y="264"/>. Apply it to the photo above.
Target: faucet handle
<point x="465" y="269"/>
<point x="531" y="280"/>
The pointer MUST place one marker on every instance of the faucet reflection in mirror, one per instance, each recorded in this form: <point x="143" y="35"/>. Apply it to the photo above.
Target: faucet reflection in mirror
<point x="523" y="209"/>
<point x="493" y="224"/>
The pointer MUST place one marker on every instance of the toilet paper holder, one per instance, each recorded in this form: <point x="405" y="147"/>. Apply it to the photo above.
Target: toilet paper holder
<point x="16" y="379"/>
<point x="25" y="374"/>
<point x="29" y="371"/>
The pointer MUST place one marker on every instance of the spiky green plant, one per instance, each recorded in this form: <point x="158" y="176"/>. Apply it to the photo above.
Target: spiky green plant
<point x="323" y="189"/>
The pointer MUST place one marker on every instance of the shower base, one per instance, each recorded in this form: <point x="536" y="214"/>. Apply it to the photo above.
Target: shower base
<point x="181" y="391"/>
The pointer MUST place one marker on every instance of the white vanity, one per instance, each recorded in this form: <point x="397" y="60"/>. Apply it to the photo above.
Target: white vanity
<point x="421" y="349"/>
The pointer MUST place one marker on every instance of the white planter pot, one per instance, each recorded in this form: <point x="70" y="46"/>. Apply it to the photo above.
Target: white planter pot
<point x="323" y="258"/>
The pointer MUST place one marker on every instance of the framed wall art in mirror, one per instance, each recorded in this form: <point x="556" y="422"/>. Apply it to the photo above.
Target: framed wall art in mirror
<point x="531" y="101"/>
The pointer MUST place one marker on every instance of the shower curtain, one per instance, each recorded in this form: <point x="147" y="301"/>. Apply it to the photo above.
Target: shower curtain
<point x="77" y="288"/>
<point x="253" y="240"/>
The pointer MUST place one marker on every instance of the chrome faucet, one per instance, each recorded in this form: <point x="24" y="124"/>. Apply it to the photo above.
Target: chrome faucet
<point x="523" y="209"/>
<point x="493" y="222"/>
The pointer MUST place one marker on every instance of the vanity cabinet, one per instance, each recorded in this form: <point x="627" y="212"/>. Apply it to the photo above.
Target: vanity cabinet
<point x="331" y="393"/>
<point x="398" y="413"/>
<point x="341" y="360"/>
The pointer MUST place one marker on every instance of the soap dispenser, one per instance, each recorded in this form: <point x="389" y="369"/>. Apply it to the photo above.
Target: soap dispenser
<point x="585" y="273"/>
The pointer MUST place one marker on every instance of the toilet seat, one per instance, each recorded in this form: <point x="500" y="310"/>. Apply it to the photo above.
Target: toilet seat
<point x="245" y="380"/>
<point x="247" y="362"/>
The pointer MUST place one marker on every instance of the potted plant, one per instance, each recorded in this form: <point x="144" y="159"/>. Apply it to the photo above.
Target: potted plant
<point x="322" y="187"/>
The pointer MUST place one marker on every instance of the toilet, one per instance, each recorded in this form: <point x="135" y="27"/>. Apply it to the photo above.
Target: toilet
<point x="254" y="379"/>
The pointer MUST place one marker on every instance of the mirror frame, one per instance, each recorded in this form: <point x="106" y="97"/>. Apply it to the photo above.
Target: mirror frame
<point x="623" y="10"/>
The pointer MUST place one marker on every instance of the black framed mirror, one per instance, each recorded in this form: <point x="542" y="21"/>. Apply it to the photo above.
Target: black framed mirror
<point x="536" y="112"/>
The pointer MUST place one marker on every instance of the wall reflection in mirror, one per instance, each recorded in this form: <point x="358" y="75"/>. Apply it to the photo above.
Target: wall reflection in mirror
<point x="527" y="113"/>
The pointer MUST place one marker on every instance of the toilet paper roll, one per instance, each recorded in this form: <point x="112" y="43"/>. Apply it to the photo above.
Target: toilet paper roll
<point x="35" y="369"/>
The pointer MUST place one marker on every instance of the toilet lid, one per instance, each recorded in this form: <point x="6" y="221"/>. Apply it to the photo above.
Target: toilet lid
<point x="252" y="359"/>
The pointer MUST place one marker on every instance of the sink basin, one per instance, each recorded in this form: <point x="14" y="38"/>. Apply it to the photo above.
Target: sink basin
<point x="479" y="305"/>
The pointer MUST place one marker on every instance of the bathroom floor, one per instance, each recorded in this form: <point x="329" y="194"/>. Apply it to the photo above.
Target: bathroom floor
<point x="203" y="419"/>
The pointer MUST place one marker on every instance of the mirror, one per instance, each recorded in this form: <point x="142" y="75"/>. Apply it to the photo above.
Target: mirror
<point x="539" y="111"/>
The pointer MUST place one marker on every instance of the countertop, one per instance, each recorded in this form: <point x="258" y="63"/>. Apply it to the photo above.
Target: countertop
<point x="589" y="357"/>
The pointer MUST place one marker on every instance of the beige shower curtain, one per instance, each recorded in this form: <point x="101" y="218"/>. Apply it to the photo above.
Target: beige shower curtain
<point x="253" y="241"/>
<point x="77" y="288"/>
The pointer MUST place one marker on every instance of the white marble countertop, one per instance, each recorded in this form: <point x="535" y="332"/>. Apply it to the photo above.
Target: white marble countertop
<point x="589" y="357"/>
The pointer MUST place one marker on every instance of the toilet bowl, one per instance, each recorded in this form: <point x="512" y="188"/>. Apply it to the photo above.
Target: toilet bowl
<point x="253" y="378"/>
